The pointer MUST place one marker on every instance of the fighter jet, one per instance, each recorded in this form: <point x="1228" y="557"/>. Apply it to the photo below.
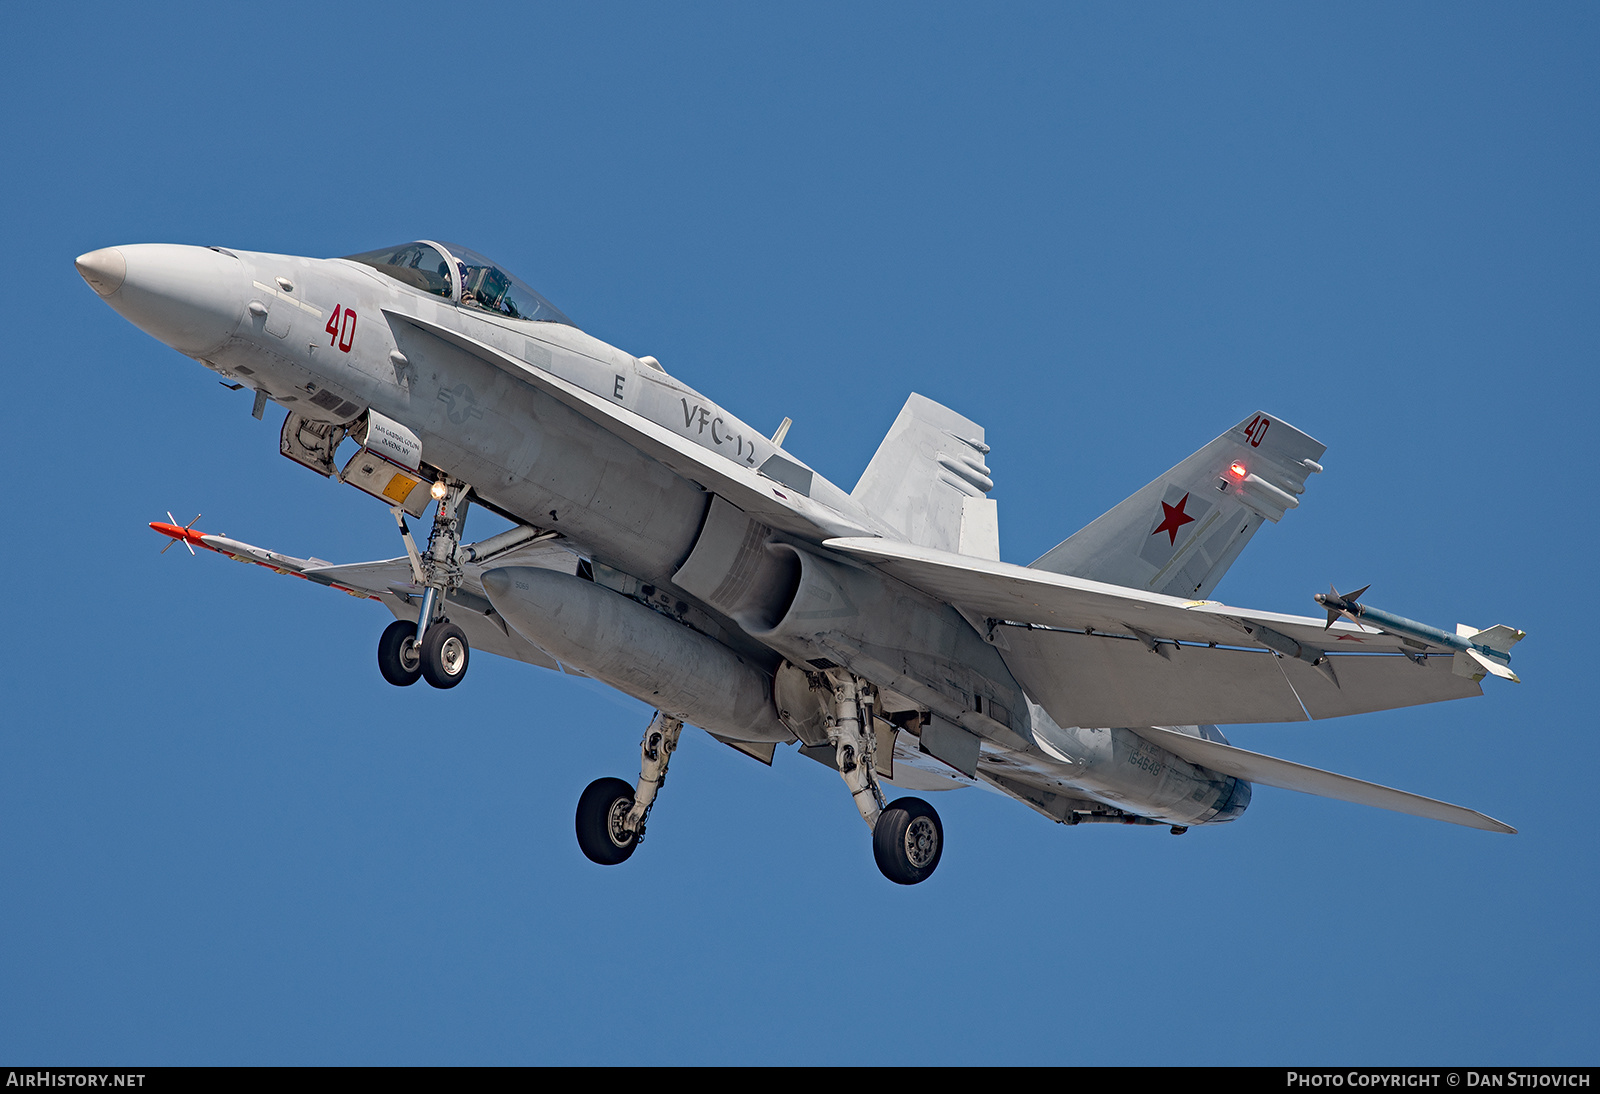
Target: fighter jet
<point x="671" y="550"/>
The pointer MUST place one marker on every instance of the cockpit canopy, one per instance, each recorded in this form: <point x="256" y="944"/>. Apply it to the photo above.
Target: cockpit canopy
<point x="457" y="273"/>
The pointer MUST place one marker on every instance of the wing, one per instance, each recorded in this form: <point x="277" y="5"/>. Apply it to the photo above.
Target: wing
<point x="389" y="581"/>
<point x="1094" y="654"/>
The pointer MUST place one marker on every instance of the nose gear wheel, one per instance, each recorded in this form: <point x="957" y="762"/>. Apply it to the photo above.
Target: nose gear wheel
<point x="444" y="655"/>
<point x="398" y="658"/>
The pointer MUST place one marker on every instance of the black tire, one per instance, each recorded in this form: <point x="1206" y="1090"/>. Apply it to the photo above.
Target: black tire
<point x="907" y="841"/>
<point x="603" y="805"/>
<point x="398" y="659"/>
<point x="444" y="655"/>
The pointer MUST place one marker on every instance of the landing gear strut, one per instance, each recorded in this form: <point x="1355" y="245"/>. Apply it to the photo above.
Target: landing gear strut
<point x="611" y="814"/>
<point x="432" y="648"/>
<point x="907" y="838"/>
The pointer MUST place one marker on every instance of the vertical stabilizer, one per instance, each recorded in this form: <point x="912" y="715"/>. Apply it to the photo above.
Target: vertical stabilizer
<point x="1180" y="533"/>
<point x="929" y="481"/>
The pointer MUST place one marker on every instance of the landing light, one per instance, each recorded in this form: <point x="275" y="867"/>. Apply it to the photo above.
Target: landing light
<point x="438" y="490"/>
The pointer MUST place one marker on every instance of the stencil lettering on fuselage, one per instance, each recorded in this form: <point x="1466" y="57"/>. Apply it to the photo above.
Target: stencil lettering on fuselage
<point x="700" y="422"/>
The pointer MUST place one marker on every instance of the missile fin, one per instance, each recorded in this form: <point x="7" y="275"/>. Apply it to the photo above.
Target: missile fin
<point x="1498" y="637"/>
<point x="1333" y="613"/>
<point x="1345" y="598"/>
<point x="1474" y="666"/>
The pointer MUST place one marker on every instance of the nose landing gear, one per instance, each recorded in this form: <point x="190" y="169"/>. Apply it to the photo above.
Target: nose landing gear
<point x="432" y="648"/>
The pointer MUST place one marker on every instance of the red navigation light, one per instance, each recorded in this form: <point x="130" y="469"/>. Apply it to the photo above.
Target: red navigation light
<point x="1238" y="469"/>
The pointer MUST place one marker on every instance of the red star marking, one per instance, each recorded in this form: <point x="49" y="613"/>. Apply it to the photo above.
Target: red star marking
<point x="1172" y="519"/>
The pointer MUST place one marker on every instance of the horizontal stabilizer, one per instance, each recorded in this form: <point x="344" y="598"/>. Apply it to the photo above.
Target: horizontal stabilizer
<point x="1286" y="775"/>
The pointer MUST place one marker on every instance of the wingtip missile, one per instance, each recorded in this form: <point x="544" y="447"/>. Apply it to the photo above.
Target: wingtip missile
<point x="1477" y="653"/>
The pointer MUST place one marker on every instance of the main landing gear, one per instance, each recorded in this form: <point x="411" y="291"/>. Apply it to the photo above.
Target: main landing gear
<point x="611" y="814"/>
<point x="907" y="838"/>
<point x="432" y="648"/>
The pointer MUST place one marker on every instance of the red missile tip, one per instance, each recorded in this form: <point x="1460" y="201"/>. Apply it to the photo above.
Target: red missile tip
<point x="172" y="531"/>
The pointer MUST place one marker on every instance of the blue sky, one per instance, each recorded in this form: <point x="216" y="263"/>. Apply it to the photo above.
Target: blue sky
<point x="1105" y="232"/>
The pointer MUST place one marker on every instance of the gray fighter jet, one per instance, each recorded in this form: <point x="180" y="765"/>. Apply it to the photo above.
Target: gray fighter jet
<point x="671" y="550"/>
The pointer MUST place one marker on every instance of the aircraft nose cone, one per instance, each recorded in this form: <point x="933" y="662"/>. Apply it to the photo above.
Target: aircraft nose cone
<point x="191" y="298"/>
<point x="104" y="269"/>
